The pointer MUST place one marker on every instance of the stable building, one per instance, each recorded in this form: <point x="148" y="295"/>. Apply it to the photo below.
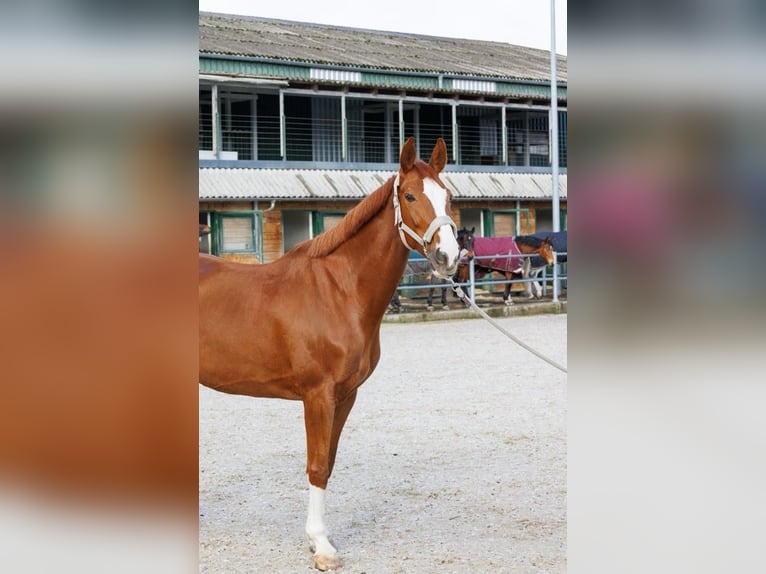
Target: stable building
<point x="298" y="122"/>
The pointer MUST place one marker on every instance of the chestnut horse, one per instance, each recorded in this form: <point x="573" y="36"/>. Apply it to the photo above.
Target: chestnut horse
<point x="491" y="255"/>
<point x="319" y="341"/>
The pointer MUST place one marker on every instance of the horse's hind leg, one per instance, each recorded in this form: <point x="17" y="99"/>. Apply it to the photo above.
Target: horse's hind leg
<point x="324" y="423"/>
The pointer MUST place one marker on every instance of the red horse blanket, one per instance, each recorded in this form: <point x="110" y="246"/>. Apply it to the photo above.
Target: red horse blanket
<point x="498" y="246"/>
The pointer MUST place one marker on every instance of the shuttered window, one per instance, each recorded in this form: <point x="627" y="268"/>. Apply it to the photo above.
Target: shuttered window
<point x="237" y="233"/>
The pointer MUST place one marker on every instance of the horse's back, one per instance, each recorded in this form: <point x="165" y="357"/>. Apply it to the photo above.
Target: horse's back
<point x="209" y="264"/>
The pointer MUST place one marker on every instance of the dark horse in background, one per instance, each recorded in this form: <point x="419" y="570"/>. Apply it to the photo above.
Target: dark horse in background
<point x="419" y="266"/>
<point x="318" y="341"/>
<point x="504" y="255"/>
<point x="537" y="264"/>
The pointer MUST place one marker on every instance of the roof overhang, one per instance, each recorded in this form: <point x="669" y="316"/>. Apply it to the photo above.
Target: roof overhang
<point x="222" y="184"/>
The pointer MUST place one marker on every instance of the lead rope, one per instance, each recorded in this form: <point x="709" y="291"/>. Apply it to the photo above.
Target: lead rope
<point x="465" y="299"/>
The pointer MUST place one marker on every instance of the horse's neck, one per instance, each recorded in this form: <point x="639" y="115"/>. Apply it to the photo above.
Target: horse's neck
<point x="380" y="259"/>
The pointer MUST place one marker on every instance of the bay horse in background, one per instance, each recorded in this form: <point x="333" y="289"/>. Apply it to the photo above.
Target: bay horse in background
<point x="319" y="341"/>
<point x="537" y="263"/>
<point x="502" y="255"/>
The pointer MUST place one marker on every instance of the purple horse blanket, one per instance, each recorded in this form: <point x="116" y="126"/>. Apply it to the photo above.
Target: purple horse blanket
<point x="498" y="246"/>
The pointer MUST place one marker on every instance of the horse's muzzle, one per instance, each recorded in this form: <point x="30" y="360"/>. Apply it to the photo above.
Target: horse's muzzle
<point x="442" y="265"/>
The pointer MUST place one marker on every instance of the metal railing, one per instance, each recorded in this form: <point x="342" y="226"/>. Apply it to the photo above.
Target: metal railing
<point x="421" y="267"/>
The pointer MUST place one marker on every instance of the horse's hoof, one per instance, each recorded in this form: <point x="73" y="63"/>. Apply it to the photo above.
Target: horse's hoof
<point x="508" y="302"/>
<point x="445" y="307"/>
<point x="430" y="307"/>
<point x="326" y="562"/>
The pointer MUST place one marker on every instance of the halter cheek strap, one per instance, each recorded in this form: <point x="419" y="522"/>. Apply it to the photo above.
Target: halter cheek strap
<point x="404" y="228"/>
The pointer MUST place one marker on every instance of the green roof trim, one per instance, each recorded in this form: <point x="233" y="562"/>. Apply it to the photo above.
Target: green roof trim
<point x="529" y="90"/>
<point x="429" y="81"/>
<point x="400" y="80"/>
<point x="251" y="68"/>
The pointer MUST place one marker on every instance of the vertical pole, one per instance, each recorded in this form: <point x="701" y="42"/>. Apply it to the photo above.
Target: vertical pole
<point x="216" y="123"/>
<point x="472" y="280"/>
<point x="455" y="148"/>
<point x="401" y="123"/>
<point x="525" y="141"/>
<point x="343" y="130"/>
<point x="504" y="135"/>
<point x="254" y="124"/>
<point x="554" y="123"/>
<point x="282" y="127"/>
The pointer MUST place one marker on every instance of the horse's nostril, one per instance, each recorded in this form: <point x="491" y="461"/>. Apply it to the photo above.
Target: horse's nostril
<point x="441" y="258"/>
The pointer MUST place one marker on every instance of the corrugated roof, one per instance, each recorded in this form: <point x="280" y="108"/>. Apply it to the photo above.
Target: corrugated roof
<point x="335" y="45"/>
<point x="249" y="183"/>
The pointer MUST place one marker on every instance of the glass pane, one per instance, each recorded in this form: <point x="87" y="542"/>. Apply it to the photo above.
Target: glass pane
<point x="330" y="221"/>
<point x="296" y="227"/>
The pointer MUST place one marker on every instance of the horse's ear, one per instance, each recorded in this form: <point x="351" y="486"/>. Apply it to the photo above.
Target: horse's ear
<point x="408" y="155"/>
<point x="439" y="156"/>
<point x="473" y="229"/>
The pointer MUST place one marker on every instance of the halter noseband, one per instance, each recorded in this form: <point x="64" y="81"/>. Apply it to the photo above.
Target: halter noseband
<point x="404" y="228"/>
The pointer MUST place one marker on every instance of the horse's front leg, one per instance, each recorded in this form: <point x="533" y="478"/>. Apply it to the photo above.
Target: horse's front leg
<point x="324" y="423"/>
<point x="535" y="291"/>
<point x="319" y="411"/>
<point x="507" y="293"/>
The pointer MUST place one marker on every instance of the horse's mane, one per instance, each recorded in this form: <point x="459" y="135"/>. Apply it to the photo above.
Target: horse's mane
<point x="330" y="240"/>
<point x="530" y="240"/>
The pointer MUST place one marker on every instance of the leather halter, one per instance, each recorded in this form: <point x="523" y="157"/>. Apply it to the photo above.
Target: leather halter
<point x="404" y="228"/>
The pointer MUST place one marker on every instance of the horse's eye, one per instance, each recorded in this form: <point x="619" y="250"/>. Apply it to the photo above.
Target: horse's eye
<point x="409" y="197"/>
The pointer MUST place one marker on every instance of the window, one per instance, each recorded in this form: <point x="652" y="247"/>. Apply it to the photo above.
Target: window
<point x="205" y="134"/>
<point x="506" y="223"/>
<point x="232" y="232"/>
<point x="296" y="227"/>
<point x="471" y="218"/>
<point x="237" y="233"/>
<point x="326" y="220"/>
<point x="544" y="219"/>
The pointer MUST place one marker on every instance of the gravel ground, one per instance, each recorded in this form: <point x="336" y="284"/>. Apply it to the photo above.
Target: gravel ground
<point x="453" y="461"/>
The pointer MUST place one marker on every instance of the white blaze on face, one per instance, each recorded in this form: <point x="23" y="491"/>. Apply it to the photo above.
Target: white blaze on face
<point x="447" y="243"/>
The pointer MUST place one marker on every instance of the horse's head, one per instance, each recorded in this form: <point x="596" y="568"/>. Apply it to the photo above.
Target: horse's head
<point x="465" y="243"/>
<point x="422" y="207"/>
<point x="531" y="244"/>
<point x="546" y="250"/>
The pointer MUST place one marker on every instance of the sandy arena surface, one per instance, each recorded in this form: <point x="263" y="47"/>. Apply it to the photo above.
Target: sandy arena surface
<point x="453" y="460"/>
